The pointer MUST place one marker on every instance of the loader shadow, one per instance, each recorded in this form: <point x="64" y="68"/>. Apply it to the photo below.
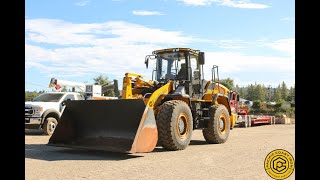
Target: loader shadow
<point x="198" y="142"/>
<point x="34" y="132"/>
<point x="159" y="148"/>
<point x="48" y="153"/>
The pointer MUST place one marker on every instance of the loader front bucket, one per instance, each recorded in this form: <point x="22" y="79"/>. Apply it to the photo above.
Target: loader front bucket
<point x="125" y="125"/>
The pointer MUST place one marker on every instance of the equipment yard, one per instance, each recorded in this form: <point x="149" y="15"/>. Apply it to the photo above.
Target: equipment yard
<point x="241" y="157"/>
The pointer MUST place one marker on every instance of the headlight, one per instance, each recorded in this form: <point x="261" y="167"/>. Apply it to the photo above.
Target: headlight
<point x="38" y="109"/>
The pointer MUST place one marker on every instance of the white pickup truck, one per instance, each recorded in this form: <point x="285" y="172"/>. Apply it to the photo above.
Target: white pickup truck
<point x="44" y="111"/>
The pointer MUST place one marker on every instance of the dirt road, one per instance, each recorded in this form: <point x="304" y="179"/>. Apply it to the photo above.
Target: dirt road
<point x="241" y="157"/>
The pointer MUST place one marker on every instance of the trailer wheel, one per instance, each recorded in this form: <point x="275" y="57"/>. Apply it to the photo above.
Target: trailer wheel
<point x="175" y="125"/>
<point x="49" y="125"/>
<point x="218" y="125"/>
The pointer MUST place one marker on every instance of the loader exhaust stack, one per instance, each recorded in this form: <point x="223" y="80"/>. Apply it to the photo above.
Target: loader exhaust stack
<point x="111" y="125"/>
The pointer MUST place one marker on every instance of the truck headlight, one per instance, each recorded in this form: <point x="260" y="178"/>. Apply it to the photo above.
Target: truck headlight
<point x="38" y="109"/>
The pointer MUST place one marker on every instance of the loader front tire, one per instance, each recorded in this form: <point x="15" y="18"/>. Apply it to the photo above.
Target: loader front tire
<point x="175" y="125"/>
<point x="218" y="125"/>
<point x="49" y="125"/>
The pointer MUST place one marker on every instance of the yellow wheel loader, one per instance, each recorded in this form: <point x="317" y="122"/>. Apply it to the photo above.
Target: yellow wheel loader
<point x="164" y="110"/>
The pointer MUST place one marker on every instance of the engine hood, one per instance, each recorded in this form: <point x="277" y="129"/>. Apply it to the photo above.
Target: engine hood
<point x="43" y="104"/>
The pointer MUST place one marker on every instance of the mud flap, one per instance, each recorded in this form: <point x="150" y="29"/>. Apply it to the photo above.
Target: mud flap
<point x="125" y="125"/>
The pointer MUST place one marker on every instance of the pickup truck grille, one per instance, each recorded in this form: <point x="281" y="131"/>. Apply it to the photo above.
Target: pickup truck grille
<point x="28" y="111"/>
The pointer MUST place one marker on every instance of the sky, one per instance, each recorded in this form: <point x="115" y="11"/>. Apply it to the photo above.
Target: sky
<point x="252" y="41"/>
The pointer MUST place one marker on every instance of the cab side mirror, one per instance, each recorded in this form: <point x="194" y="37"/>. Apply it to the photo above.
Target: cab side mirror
<point x="201" y="58"/>
<point x="147" y="61"/>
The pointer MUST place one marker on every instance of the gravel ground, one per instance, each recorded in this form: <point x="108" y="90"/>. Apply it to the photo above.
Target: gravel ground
<point x="241" y="157"/>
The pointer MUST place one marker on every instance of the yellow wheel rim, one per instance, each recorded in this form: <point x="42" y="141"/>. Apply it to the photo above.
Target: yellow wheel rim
<point x="182" y="126"/>
<point x="222" y="124"/>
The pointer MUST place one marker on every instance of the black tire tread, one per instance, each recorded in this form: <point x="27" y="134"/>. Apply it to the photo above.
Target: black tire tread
<point x="210" y="134"/>
<point x="164" y="124"/>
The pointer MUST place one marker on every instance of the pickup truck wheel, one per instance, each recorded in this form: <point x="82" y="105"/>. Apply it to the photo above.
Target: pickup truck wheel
<point x="50" y="125"/>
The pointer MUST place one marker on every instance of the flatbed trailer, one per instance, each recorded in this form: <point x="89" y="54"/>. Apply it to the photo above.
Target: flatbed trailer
<point x="252" y="120"/>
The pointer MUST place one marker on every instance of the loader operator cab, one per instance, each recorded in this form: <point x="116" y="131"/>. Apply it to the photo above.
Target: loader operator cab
<point x="181" y="65"/>
<point x="168" y="65"/>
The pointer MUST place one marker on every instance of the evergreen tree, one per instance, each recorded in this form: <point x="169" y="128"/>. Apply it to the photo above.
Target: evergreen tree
<point x="278" y="95"/>
<point x="228" y="83"/>
<point x="64" y="89"/>
<point x="251" y="94"/>
<point x="284" y="91"/>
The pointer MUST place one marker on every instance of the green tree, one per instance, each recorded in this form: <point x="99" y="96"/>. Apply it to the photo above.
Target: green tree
<point x="240" y="91"/>
<point x="269" y="93"/>
<point x="278" y="94"/>
<point x="256" y="92"/>
<point x="260" y="93"/>
<point x="251" y="94"/>
<point x="29" y="95"/>
<point x="103" y="81"/>
<point x="228" y="83"/>
<point x="291" y="95"/>
<point x="64" y="89"/>
<point x="284" y="90"/>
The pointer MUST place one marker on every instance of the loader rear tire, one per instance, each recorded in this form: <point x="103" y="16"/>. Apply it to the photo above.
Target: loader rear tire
<point x="49" y="125"/>
<point x="218" y="125"/>
<point x="175" y="125"/>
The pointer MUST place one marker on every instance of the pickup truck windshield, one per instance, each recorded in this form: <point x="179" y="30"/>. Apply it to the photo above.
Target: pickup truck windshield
<point x="48" y="98"/>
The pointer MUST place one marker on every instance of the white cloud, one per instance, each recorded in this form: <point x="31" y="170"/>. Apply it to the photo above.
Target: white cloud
<point x="65" y="33"/>
<point x="284" y="45"/>
<point x="231" y="44"/>
<point x="196" y="2"/>
<point x="113" y="47"/>
<point x="82" y="3"/>
<point x="146" y="13"/>
<point x="245" y="4"/>
<point x="246" y="69"/>
<point x="116" y="47"/>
